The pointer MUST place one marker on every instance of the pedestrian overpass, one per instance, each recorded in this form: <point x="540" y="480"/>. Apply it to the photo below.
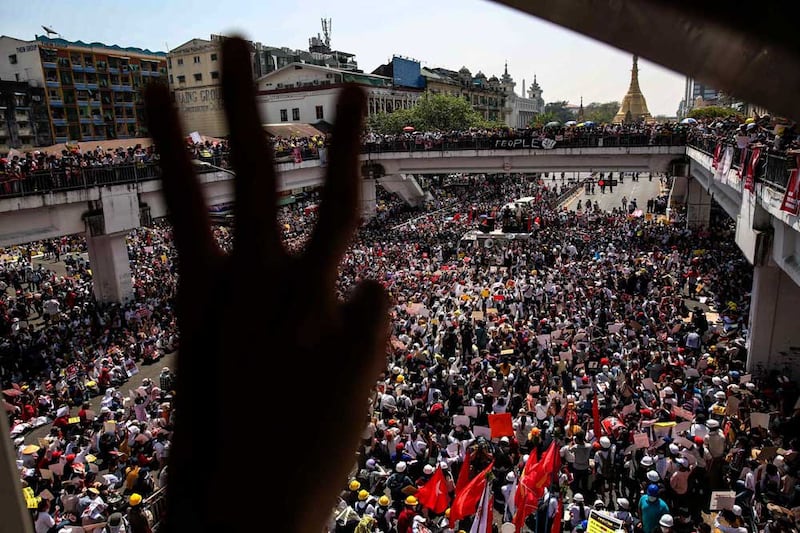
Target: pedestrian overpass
<point x="107" y="203"/>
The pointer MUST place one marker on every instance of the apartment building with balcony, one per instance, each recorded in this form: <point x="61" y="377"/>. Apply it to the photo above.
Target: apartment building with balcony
<point x="24" y="121"/>
<point x="93" y="91"/>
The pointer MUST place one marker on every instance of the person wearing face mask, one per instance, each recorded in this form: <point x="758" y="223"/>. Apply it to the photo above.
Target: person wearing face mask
<point x="651" y="509"/>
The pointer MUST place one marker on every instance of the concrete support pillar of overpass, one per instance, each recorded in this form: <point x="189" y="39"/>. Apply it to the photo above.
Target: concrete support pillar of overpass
<point x="111" y="268"/>
<point x="698" y="205"/>
<point x="773" y="335"/>
<point x="368" y="197"/>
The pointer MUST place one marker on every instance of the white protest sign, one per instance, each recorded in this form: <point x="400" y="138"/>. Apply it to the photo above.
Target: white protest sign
<point x="482" y="431"/>
<point x="461" y="420"/>
<point x="641" y="440"/>
<point x="471" y="411"/>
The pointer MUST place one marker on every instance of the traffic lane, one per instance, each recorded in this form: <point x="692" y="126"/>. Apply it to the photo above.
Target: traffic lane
<point x="640" y="190"/>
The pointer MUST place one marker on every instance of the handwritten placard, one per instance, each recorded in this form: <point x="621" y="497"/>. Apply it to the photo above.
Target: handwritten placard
<point x="482" y="431"/>
<point x="641" y="440"/>
<point x="109" y="426"/>
<point x="648" y="384"/>
<point x="74" y="420"/>
<point x="759" y="420"/>
<point x="722" y="500"/>
<point x="732" y="406"/>
<point x="461" y="420"/>
<point x="471" y="411"/>
<point x="46" y="473"/>
<point x="746" y="378"/>
<point x="682" y="413"/>
<point x="57" y="468"/>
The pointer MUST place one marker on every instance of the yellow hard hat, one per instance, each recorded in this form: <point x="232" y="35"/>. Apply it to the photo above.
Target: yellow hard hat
<point x="447" y="512"/>
<point x="411" y="500"/>
<point x="363" y="495"/>
<point x="354" y="485"/>
<point x="401" y="379"/>
<point x="135" y="499"/>
<point x="383" y="500"/>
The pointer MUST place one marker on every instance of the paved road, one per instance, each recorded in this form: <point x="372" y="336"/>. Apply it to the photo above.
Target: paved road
<point x="145" y="371"/>
<point x="640" y="190"/>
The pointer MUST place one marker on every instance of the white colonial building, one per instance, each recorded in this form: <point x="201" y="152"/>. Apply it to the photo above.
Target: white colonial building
<point x="307" y="94"/>
<point x="522" y="110"/>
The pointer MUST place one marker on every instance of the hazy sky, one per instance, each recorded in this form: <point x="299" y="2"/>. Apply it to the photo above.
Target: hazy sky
<point x="440" y="33"/>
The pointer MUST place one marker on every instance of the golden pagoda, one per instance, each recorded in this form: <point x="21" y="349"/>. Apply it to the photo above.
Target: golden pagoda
<point x="634" y="106"/>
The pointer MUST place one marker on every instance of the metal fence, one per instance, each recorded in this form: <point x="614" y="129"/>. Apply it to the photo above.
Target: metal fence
<point x="772" y="169"/>
<point x="81" y="178"/>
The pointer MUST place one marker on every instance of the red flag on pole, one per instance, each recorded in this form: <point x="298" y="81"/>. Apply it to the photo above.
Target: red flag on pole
<point x="519" y="495"/>
<point x="556" y="527"/>
<point x="483" y="518"/>
<point x="466" y="502"/>
<point x="433" y="494"/>
<point x="598" y="431"/>
<point x="501" y="425"/>
<point x="463" y="474"/>
<point x="534" y="482"/>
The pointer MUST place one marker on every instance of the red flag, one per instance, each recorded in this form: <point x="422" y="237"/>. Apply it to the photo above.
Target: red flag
<point x="466" y="502"/>
<point x="456" y="217"/>
<point x="534" y="482"/>
<point x="750" y="175"/>
<point x="596" y="415"/>
<point x="463" y="474"/>
<point x="556" y="527"/>
<point x="433" y="494"/>
<point x="526" y="469"/>
<point x="501" y="425"/>
<point x="791" y="199"/>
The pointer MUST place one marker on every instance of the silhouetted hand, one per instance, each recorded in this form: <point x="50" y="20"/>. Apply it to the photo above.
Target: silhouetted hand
<point x="266" y="348"/>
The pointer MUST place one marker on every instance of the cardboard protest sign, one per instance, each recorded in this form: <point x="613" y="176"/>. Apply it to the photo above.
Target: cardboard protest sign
<point x="682" y="413"/>
<point x="482" y="431"/>
<point x="732" y="406"/>
<point x="759" y="420"/>
<point x="471" y="411"/>
<point x="641" y="440"/>
<point x="461" y="420"/>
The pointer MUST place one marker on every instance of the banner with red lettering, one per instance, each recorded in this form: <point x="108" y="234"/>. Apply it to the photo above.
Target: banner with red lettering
<point x="750" y="174"/>
<point x="742" y="170"/>
<point x="791" y="200"/>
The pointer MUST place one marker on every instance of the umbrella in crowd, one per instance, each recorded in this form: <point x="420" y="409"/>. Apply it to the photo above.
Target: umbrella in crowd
<point x="409" y="129"/>
<point x="689" y="120"/>
<point x="553" y="124"/>
<point x="570" y="123"/>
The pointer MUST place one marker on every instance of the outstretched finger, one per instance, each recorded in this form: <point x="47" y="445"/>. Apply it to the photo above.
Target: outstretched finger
<point x="338" y="211"/>
<point x="185" y="201"/>
<point x="255" y="211"/>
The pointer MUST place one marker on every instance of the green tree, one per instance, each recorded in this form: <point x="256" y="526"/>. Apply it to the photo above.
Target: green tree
<point x="711" y="112"/>
<point x="559" y="111"/>
<point x="601" y="113"/>
<point x="433" y="112"/>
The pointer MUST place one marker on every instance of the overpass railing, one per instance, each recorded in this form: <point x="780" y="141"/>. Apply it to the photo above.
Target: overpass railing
<point x="772" y="169"/>
<point x="74" y="178"/>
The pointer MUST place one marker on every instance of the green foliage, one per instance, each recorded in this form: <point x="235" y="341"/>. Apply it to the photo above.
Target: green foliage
<point x="433" y="112"/>
<point x="711" y="112"/>
<point x="601" y="113"/>
<point x="558" y="111"/>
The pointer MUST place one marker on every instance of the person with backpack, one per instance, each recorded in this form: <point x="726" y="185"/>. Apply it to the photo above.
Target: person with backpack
<point x="398" y="481"/>
<point x="578" y="512"/>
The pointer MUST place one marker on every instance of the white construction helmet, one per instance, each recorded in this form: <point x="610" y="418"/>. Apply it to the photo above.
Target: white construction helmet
<point x="737" y="510"/>
<point x="605" y="442"/>
<point x="510" y="477"/>
<point x="666" y="521"/>
<point x="428" y="470"/>
<point x="578" y="497"/>
<point x="653" y="476"/>
<point x="623" y="503"/>
<point x="401" y="466"/>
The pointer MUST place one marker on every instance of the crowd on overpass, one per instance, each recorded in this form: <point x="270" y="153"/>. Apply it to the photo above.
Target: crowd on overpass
<point x="618" y="342"/>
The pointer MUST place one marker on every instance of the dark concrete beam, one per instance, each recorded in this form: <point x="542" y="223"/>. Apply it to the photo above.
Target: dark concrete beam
<point x="748" y="50"/>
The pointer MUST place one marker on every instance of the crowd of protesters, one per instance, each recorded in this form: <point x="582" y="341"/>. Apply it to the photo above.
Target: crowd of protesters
<point x="594" y="317"/>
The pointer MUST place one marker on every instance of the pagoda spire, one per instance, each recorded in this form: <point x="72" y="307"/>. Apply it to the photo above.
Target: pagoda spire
<point x="580" y="111"/>
<point x="634" y="105"/>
